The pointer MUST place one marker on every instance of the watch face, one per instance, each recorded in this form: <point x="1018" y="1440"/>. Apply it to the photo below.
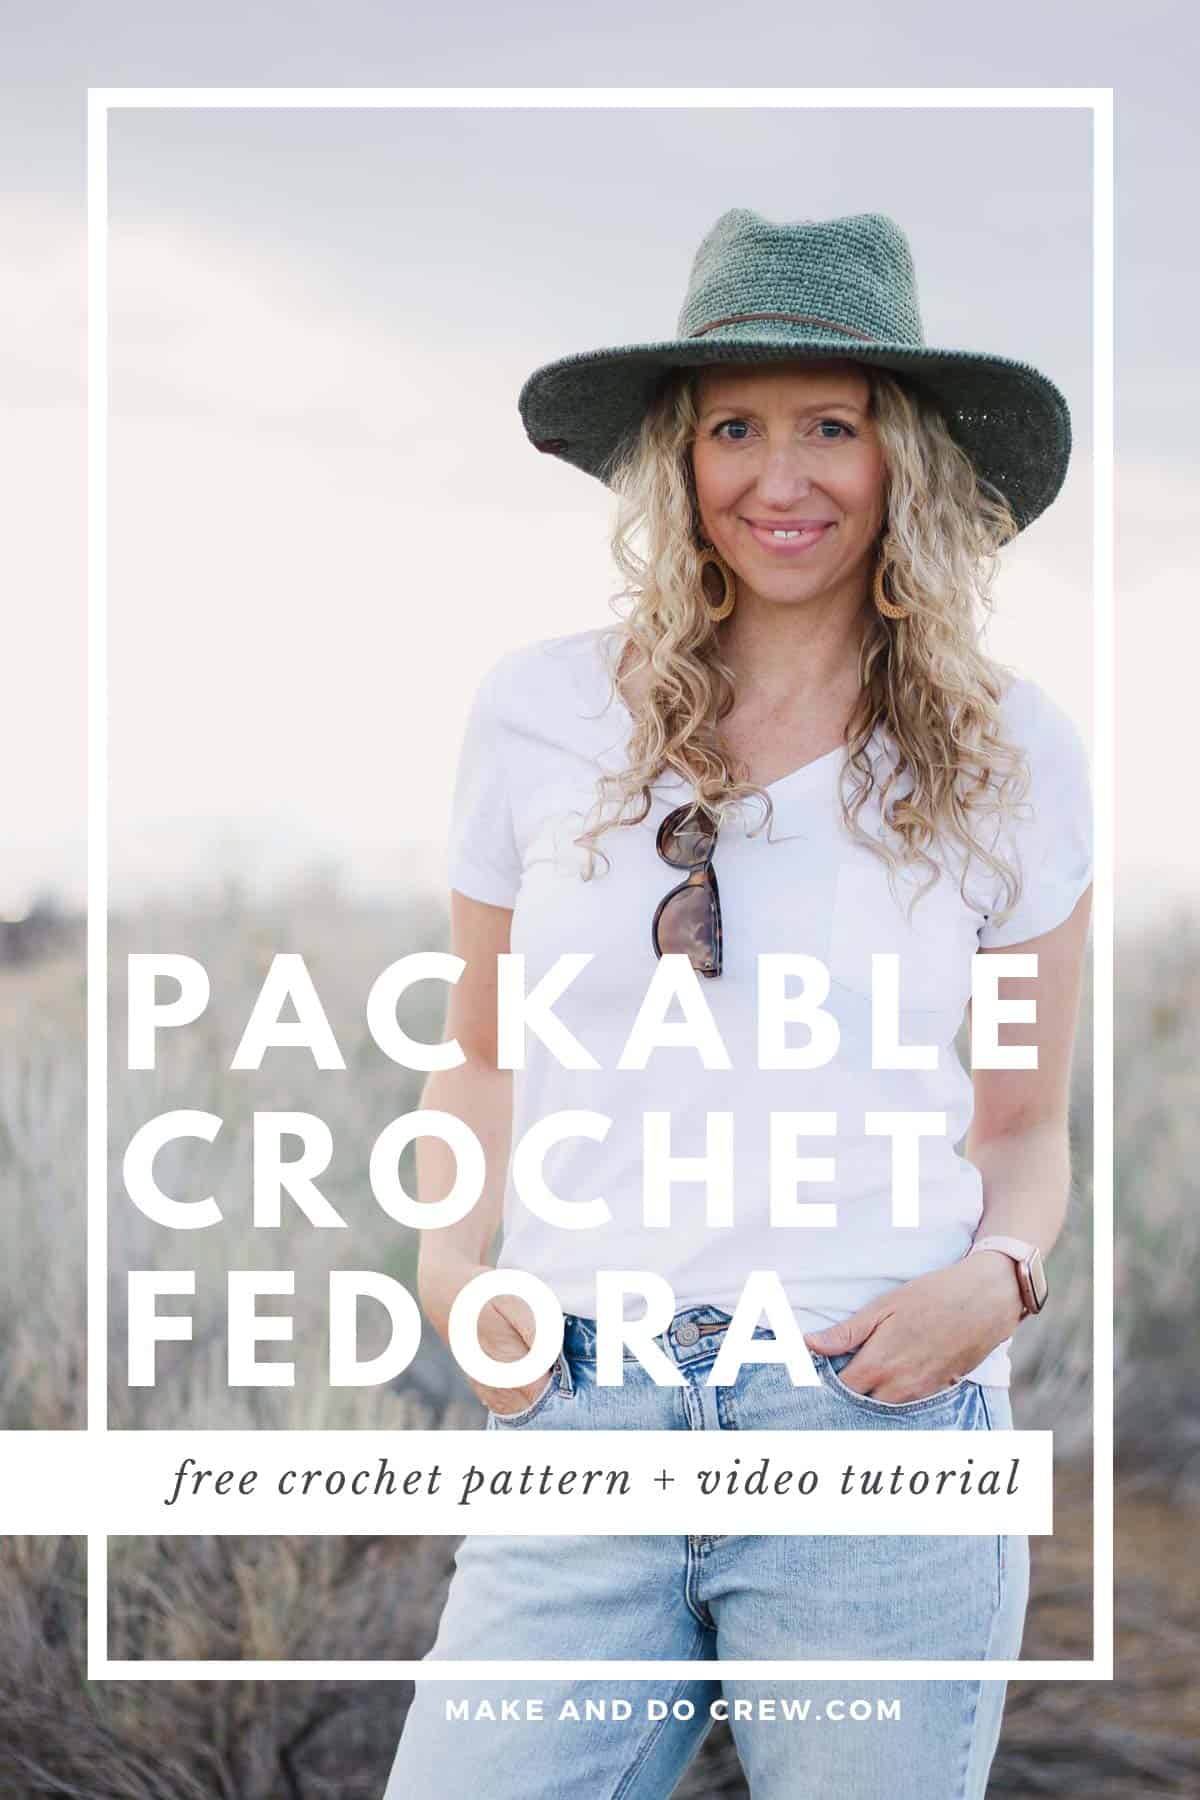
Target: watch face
<point x="1037" y="1280"/>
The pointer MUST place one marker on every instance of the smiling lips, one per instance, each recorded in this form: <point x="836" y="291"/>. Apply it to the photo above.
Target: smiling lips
<point x="800" y="535"/>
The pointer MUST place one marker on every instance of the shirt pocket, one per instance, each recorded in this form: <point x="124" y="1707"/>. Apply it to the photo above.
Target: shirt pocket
<point x="935" y="934"/>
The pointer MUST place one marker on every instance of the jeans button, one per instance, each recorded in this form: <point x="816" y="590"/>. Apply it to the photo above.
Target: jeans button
<point x="688" y="1333"/>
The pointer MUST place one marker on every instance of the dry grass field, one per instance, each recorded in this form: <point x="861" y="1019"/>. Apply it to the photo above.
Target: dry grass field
<point x="256" y="1598"/>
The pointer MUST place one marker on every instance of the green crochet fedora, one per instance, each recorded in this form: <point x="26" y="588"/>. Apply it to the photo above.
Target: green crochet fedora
<point x="762" y="293"/>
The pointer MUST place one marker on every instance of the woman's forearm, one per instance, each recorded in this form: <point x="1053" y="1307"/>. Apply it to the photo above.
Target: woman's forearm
<point x="481" y="1096"/>
<point x="1026" y="1181"/>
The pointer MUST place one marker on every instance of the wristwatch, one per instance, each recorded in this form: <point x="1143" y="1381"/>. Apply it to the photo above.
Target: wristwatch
<point x="1031" y="1275"/>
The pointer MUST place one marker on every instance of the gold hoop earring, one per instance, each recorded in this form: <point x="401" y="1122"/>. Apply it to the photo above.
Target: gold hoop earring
<point x="887" y="608"/>
<point x="718" y="585"/>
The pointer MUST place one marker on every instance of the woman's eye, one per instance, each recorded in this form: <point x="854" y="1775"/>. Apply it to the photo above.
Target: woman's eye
<point x="740" y="426"/>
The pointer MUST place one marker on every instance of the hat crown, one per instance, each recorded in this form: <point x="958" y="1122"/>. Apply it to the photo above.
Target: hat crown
<point x="851" y="279"/>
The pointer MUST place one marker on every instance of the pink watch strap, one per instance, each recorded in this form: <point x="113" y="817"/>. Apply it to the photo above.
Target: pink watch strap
<point x="1011" y="1246"/>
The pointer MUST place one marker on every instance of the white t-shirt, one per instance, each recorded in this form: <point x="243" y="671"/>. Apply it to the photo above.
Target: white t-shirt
<point x="540" y="726"/>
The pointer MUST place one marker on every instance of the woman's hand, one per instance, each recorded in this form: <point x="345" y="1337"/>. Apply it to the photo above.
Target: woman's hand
<point x="926" y="1334"/>
<point x="505" y="1330"/>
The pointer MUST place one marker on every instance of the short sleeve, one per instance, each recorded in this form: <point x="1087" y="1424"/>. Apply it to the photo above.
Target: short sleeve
<point x="483" y="861"/>
<point x="1050" y="837"/>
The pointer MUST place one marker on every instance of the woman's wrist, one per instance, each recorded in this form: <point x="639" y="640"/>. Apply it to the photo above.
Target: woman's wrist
<point x="996" y="1273"/>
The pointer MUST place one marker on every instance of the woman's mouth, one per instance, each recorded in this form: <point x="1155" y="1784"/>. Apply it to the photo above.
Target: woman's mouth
<point x="787" y="540"/>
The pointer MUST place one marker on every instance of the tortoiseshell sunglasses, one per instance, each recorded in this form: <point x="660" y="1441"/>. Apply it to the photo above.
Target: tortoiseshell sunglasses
<point x="687" y="921"/>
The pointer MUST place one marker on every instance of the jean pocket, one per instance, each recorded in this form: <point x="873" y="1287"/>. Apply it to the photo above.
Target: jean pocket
<point x="558" y="1383"/>
<point x="947" y="1399"/>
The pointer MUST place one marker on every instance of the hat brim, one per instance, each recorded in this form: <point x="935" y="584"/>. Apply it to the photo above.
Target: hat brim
<point x="1010" y="419"/>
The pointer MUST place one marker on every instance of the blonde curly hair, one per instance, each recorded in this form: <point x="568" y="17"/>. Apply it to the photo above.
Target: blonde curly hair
<point x="924" y="680"/>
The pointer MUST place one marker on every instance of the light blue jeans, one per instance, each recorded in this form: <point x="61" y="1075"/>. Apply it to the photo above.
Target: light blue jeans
<point x="730" y="1598"/>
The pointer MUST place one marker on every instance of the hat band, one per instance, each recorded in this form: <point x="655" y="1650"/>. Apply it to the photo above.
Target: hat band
<point x="795" y="319"/>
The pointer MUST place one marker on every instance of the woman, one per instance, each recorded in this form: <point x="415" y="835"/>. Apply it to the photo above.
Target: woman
<point x="802" y="748"/>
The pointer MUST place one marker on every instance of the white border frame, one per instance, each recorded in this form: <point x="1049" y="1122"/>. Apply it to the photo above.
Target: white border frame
<point x="1099" y="101"/>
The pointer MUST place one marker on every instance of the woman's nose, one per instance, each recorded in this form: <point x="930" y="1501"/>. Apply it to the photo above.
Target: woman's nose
<point x="784" y="478"/>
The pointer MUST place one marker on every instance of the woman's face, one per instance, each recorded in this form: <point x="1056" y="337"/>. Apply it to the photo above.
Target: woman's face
<point x="790" y="449"/>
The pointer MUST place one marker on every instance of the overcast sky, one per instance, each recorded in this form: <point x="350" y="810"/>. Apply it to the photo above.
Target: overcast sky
<point x="325" y="518"/>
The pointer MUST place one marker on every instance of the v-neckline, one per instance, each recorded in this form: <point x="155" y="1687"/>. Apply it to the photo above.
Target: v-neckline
<point x="811" y="768"/>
